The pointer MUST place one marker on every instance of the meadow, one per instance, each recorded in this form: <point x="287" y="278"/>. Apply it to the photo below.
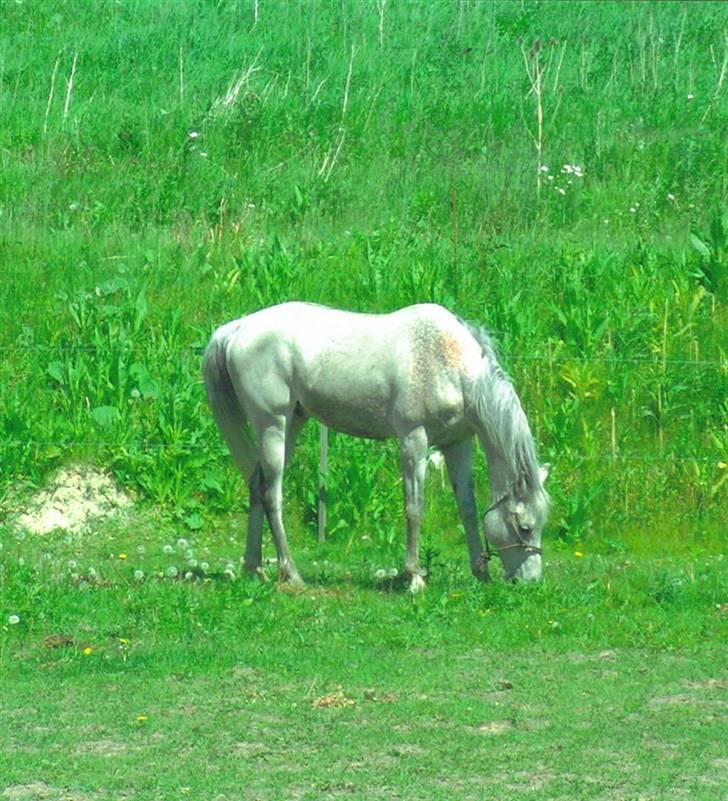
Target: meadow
<point x="556" y="171"/>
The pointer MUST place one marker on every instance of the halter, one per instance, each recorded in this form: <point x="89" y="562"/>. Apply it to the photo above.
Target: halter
<point x="487" y="554"/>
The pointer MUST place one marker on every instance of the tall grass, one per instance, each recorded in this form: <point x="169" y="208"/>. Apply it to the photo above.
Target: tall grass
<point x="166" y="167"/>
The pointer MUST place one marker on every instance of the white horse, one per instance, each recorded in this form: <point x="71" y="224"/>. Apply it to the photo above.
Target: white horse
<point x="419" y="374"/>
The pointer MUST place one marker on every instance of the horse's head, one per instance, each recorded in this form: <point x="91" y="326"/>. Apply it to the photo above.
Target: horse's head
<point x="513" y="527"/>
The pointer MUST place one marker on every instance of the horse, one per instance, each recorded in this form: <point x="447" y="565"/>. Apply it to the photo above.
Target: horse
<point x="420" y="374"/>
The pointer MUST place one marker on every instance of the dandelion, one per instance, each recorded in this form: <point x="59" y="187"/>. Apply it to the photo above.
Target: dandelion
<point x="544" y="168"/>
<point x="691" y="96"/>
<point x="172" y="571"/>
<point x="91" y="572"/>
<point x="141" y="718"/>
<point x="138" y="575"/>
<point x="194" y="134"/>
<point x="140" y="549"/>
<point x="561" y="190"/>
<point x="168" y="549"/>
<point x="192" y="563"/>
<point x="182" y="543"/>
<point x="13" y="620"/>
<point x="88" y="650"/>
<point x="72" y="564"/>
<point x="578" y="554"/>
<point x="632" y="210"/>
<point x="671" y="197"/>
<point x="122" y="556"/>
<point x="189" y="576"/>
<point x="392" y="572"/>
<point x="204" y="567"/>
<point x="381" y="573"/>
<point x="189" y="554"/>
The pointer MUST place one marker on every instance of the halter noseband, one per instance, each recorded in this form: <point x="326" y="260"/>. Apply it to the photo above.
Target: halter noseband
<point x="487" y="554"/>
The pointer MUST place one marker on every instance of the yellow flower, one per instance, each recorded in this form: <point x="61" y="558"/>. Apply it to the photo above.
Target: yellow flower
<point x="141" y="718"/>
<point x="122" y="556"/>
<point x="578" y="553"/>
<point x="88" y="650"/>
<point x="123" y="641"/>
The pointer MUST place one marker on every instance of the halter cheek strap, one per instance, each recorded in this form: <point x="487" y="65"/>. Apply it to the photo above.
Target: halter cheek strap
<point x="487" y="554"/>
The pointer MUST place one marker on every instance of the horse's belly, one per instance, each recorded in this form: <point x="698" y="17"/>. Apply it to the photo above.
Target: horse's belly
<point x="362" y="417"/>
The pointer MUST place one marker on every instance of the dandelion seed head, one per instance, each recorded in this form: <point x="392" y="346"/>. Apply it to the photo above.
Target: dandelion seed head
<point x="172" y="572"/>
<point x="168" y="549"/>
<point x="13" y="620"/>
<point x="138" y="575"/>
<point x="182" y="543"/>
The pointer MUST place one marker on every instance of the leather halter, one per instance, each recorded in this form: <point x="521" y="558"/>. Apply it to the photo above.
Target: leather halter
<point x="487" y="554"/>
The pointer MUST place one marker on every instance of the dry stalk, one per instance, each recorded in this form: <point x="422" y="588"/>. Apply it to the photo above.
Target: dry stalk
<point x="69" y="86"/>
<point x="537" y="71"/>
<point x="51" y="93"/>
<point x="381" y="4"/>
<point x="330" y="159"/>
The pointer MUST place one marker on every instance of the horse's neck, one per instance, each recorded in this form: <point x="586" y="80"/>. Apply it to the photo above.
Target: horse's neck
<point x="500" y="473"/>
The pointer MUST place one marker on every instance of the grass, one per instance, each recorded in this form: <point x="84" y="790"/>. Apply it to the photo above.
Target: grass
<point x="554" y="170"/>
<point x="605" y="681"/>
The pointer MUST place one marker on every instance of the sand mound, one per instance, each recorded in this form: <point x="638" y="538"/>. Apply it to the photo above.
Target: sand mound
<point x="75" y="497"/>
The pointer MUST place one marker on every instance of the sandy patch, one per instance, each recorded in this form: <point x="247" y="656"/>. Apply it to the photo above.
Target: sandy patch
<point x="75" y="497"/>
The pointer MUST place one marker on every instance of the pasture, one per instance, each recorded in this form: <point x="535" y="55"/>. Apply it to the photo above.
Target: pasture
<point x="555" y="171"/>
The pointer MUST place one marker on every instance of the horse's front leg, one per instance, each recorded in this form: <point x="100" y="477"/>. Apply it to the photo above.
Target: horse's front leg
<point x="413" y="459"/>
<point x="459" y="461"/>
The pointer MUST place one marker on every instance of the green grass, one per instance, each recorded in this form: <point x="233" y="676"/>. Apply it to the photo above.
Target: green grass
<point x="165" y="167"/>
<point x="606" y="681"/>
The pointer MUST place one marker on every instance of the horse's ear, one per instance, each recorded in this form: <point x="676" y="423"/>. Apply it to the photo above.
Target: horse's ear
<point x="543" y="473"/>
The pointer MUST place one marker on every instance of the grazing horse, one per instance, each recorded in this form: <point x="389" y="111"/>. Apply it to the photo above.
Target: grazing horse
<point x="419" y="374"/>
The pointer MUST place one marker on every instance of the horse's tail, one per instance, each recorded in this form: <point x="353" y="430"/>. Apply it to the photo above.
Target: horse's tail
<point x="226" y="409"/>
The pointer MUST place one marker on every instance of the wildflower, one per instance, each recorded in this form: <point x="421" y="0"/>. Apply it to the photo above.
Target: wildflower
<point x="91" y="572"/>
<point x="204" y="567"/>
<point x="168" y="549"/>
<point x="140" y="549"/>
<point x="138" y="575"/>
<point x="72" y="564"/>
<point x="544" y="168"/>
<point x="567" y="168"/>
<point x="691" y="96"/>
<point x="381" y="573"/>
<point x="578" y="554"/>
<point x="182" y="543"/>
<point x="13" y="620"/>
<point x="122" y="556"/>
<point x="632" y="210"/>
<point x="172" y="571"/>
<point x="123" y="641"/>
<point x="670" y="196"/>
<point x="192" y="562"/>
<point x="141" y="718"/>
<point x="194" y="134"/>
<point x="88" y="650"/>
<point x="189" y="554"/>
<point x="560" y="190"/>
<point x="392" y="572"/>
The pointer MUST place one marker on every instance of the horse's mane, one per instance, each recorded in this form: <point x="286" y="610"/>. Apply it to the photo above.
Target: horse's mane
<point x="499" y="410"/>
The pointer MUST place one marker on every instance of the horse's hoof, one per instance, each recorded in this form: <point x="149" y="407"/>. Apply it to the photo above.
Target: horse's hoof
<point x="417" y="584"/>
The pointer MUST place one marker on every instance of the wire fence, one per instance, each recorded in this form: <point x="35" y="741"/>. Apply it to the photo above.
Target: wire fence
<point x="657" y="361"/>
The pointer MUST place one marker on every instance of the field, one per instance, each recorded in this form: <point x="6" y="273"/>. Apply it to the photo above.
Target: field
<point x="556" y="171"/>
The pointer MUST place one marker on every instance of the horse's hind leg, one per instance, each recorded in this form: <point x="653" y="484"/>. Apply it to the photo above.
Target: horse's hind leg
<point x="459" y="461"/>
<point x="256" y="486"/>
<point x="413" y="460"/>
<point x="272" y="441"/>
<point x="256" y="516"/>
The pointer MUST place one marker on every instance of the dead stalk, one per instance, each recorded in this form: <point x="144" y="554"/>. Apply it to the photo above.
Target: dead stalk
<point x="51" y="93"/>
<point x="69" y="86"/>
<point x="330" y="159"/>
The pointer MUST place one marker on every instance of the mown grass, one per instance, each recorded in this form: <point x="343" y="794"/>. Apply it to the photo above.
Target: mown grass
<point x="605" y="681"/>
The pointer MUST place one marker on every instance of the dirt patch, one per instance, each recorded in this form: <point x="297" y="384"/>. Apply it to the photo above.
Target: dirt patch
<point x="75" y="497"/>
<point x="40" y="791"/>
